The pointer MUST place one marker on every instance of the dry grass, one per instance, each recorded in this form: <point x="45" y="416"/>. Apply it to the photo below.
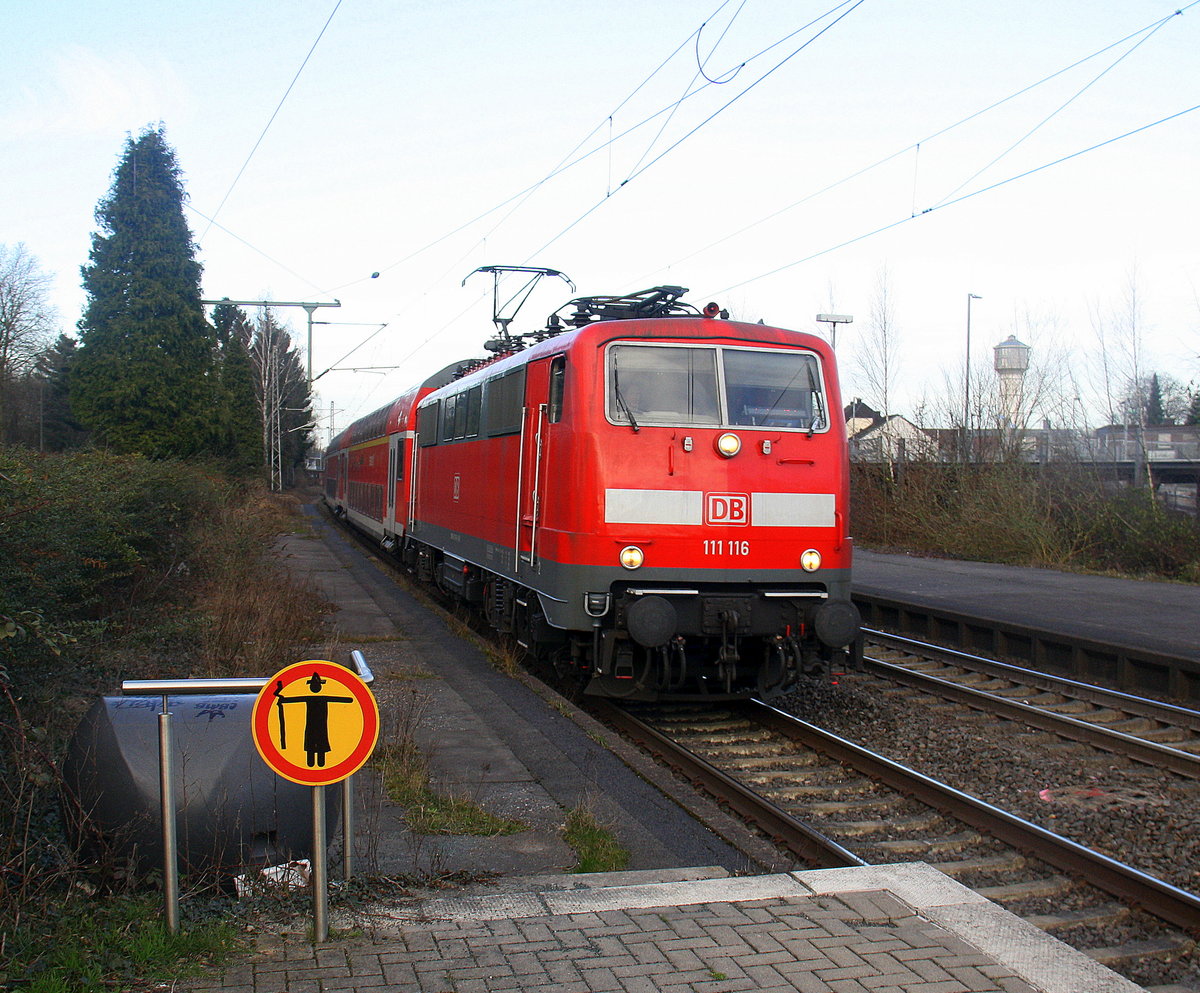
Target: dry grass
<point x="254" y="612"/>
<point x="226" y="606"/>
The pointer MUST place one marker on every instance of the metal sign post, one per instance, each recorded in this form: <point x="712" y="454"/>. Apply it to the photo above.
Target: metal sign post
<point x="166" y="792"/>
<point x="320" y="880"/>
<point x="339" y="731"/>
<point x="363" y="745"/>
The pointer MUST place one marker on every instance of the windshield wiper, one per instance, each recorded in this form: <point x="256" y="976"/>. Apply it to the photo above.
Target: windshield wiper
<point x="819" y="407"/>
<point x="620" y="398"/>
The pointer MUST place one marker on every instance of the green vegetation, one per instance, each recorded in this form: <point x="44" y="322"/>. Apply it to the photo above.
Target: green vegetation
<point x="1060" y="517"/>
<point x="89" y="947"/>
<point x="595" y="846"/>
<point x="116" y="567"/>
<point x="427" y="811"/>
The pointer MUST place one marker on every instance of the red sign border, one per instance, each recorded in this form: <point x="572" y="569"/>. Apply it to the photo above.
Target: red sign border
<point x="324" y="776"/>
<point x="709" y="521"/>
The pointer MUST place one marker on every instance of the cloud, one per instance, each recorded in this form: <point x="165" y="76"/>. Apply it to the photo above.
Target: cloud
<point x="85" y="93"/>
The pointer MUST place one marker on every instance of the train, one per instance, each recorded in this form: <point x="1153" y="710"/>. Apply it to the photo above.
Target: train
<point x="651" y="499"/>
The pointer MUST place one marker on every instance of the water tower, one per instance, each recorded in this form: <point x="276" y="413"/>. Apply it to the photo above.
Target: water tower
<point x="1012" y="359"/>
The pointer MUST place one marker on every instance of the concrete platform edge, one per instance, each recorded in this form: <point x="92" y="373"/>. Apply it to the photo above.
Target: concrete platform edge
<point x="1039" y="959"/>
<point x="1035" y="956"/>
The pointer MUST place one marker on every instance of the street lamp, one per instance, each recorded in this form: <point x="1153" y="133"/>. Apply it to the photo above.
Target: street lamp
<point x="833" y="320"/>
<point x="967" y="384"/>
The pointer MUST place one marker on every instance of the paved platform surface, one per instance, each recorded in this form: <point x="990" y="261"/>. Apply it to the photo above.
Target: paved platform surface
<point x="885" y="929"/>
<point x="706" y="905"/>
<point x="1151" y="615"/>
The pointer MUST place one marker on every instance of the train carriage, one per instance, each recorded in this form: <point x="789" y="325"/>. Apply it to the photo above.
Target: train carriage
<point x="652" y="500"/>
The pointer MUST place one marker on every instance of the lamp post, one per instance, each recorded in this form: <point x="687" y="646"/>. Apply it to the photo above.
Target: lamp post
<point x="967" y="385"/>
<point x="833" y="320"/>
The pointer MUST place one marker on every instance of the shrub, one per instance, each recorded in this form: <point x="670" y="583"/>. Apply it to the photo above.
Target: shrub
<point x="113" y="567"/>
<point x="88" y="538"/>
<point x="1060" y="516"/>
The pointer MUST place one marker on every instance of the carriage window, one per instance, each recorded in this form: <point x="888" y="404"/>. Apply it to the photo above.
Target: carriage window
<point x="474" y="406"/>
<point x="460" y="417"/>
<point x="558" y="382"/>
<point x="503" y="403"/>
<point x="448" y="407"/>
<point x="427" y="423"/>
<point x="655" y="384"/>
<point x="400" y="445"/>
<point x="773" y="389"/>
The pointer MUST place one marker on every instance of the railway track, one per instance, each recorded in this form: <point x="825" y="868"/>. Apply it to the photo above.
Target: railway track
<point x="1156" y="733"/>
<point x="831" y="802"/>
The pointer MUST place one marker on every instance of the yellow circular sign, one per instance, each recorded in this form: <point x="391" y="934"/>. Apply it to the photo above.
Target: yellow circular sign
<point x="315" y="723"/>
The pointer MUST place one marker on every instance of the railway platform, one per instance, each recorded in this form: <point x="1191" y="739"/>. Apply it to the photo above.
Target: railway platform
<point x="705" y="905"/>
<point x="1156" y="616"/>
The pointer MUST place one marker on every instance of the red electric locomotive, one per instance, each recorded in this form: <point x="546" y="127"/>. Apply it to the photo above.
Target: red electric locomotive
<point x="651" y="499"/>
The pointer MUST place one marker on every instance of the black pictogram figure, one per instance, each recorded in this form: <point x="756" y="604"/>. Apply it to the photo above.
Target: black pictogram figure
<point x="316" y="718"/>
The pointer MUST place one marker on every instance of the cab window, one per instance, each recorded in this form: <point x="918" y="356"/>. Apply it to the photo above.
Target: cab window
<point x="558" y="382"/>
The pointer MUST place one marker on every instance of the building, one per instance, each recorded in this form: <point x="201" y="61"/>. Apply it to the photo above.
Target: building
<point x="876" y="437"/>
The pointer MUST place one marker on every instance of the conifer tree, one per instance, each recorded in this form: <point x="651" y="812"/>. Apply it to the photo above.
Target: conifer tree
<point x="1193" y="414"/>
<point x="1155" y="414"/>
<point x="144" y="377"/>
<point x="58" y="429"/>
<point x="238" y="416"/>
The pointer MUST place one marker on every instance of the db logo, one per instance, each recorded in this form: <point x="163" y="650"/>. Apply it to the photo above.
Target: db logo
<point x="727" y="508"/>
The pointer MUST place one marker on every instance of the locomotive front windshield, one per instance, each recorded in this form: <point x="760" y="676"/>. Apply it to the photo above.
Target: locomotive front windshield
<point x="714" y="385"/>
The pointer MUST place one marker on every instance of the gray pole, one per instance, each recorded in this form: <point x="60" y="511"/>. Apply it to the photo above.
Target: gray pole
<point x="967" y="386"/>
<point x="166" y="789"/>
<point x="320" y="880"/>
<point x="309" y="307"/>
<point x="348" y="828"/>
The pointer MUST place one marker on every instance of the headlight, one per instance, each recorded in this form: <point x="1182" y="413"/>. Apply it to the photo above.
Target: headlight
<point x="728" y="445"/>
<point x="810" y="561"/>
<point x="632" y="557"/>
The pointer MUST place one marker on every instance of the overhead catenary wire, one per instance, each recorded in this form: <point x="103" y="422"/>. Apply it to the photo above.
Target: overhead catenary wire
<point x="562" y="165"/>
<point x="951" y="203"/>
<point x="568" y="162"/>
<point x="254" y="248"/>
<point x="700" y="73"/>
<point x="730" y="74"/>
<point x="915" y="146"/>
<point x="658" y="158"/>
<point x="271" y="121"/>
<point x="1061" y="107"/>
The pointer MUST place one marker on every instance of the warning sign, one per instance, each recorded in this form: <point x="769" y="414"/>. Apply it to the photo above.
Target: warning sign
<point x="315" y="723"/>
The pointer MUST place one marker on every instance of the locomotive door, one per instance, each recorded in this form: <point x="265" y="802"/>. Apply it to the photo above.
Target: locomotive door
<point x="531" y="495"/>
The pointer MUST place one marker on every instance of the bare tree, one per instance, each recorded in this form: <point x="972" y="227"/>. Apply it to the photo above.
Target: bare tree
<point x="1122" y="362"/>
<point x="283" y="398"/>
<point x="879" y="352"/>
<point x="26" y="317"/>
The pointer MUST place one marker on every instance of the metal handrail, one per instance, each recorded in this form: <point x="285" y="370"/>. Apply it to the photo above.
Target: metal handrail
<point x="186" y="687"/>
<point x="167" y="688"/>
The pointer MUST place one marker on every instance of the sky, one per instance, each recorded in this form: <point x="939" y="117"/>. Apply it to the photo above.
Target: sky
<point x="783" y="158"/>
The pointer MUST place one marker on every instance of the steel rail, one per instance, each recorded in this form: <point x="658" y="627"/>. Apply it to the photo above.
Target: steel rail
<point x="1132" y="667"/>
<point x="1149" y="752"/>
<point x="1162" y="900"/>
<point x="808" y="844"/>
<point x="1099" y="695"/>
